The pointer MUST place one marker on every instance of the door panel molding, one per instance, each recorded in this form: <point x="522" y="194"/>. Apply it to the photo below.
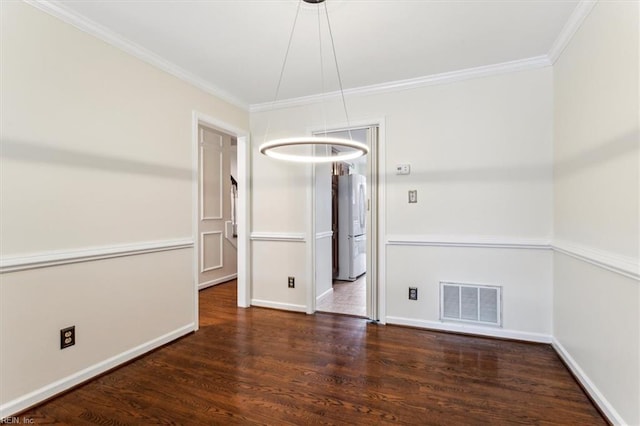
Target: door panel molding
<point x="203" y="253"/>
<point x="203" y="162"/>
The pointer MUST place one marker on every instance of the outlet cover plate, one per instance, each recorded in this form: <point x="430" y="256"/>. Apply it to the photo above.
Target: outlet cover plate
<point x="67" y="337"/>
<point x="413" y="293"/>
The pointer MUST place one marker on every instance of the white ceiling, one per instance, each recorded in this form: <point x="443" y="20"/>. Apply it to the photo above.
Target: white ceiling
<point x="237" y="46"/>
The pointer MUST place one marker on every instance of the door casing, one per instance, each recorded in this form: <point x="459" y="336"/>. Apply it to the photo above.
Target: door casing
<point x="376" y="252"/>
<point x="243" y="207"/>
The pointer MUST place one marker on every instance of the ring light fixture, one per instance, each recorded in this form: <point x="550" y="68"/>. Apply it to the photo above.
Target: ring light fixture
<point x="347" y="149"/>
<point x="355" y="149"/>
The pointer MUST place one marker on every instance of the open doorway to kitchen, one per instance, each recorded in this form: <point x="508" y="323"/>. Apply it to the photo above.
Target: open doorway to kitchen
<point x="345" y="275"/>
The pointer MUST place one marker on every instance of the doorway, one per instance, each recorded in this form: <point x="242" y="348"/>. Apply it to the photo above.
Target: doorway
<point x="238" y="229"/>
<point x="345" y="192"/>
<point x="217" y="200"/>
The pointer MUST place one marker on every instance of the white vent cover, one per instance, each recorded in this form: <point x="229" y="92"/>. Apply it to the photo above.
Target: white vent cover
<point x="480" y="304"/>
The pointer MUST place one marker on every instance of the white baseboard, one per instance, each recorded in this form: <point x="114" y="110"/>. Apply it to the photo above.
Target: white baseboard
<point x="32" y="398"/>
<point x="471" y="329"/>
<point x="597" y="397"/>
<point x="326" y="293"/>
<point x="217" y="281"/>
<point x="278" y="305"/>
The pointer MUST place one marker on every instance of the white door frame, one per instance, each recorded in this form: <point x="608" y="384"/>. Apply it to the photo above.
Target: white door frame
<point x="242" y="137"/>
<point x="380" y="251"/>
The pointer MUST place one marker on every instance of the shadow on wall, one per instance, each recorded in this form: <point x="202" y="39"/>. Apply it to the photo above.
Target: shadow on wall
<point x="621" y="146"/>
<point x="35" y="153"/>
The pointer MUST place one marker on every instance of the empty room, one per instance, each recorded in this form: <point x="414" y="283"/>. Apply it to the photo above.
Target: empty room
<point x="320" y="212"/>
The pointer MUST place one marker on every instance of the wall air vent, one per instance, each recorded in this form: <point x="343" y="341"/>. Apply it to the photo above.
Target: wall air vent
<point x="479" y="304"/>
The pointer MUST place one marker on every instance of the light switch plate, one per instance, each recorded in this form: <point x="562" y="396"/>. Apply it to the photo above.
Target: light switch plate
<point x="413" y="196"/>
<point x="403" y="169"/>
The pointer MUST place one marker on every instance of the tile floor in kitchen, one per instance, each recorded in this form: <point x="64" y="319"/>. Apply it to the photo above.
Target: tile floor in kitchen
<point x="347" y="297"/>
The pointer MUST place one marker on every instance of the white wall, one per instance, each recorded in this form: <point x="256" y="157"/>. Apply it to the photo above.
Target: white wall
<point x="480" y="153"/>
<point x="596" y="213"/>
<point x="96" y="161"/>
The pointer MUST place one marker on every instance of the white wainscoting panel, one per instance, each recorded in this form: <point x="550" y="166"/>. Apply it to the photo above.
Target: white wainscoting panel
<point x="55" y="388"/>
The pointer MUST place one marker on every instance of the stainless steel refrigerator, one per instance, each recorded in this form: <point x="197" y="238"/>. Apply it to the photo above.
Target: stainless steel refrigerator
<point x="352" y="238"/>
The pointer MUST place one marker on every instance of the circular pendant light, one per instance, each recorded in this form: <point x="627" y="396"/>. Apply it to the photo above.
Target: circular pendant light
<point x="336" y="149"/>
<point x="346" y="149"/>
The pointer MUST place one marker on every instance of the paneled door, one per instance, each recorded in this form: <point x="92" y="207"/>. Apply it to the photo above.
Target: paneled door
<point x="214" y="204"/>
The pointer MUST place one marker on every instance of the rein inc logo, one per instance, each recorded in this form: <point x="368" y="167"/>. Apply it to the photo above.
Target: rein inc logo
<point x="15" y="420"/>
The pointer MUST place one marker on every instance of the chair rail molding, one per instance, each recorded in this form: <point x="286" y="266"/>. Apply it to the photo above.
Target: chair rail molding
<point x="483" y="241"/>
<point x="88" y="254"/>
<point x="623" y="265"/>
<point x="326" y="234"/>
<point x="278" y="236"/>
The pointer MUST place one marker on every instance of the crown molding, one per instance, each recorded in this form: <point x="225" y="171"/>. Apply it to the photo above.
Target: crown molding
<point x="412" y="83"/>
<point x="85" y="24"/>
<point x="580" y="13"/>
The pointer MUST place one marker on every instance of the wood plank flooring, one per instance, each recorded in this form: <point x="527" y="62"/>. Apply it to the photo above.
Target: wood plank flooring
<point x="262" y="366"/>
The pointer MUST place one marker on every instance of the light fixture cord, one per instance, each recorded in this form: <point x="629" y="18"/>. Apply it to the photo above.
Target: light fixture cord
<point x="324" y="113"/>
<point x="284" y="63"/>
<point x="335" y="58"/>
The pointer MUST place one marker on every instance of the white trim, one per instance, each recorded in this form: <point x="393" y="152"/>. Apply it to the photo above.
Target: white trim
<point x="93" y="28"/>
<point x="382" y="222"/>
<point x="88" y="254"/>
<point x="32" y="398"/>
<point x="469" y="241"/>
<point x="220" y="262"/>
<point x="278" y="236"/>
<point x="574" y="22"/>
<point x="326" y="293"/>
<point x="412" y="83"/>
<point x="623" y="265"/>
<point x="472" y="329"/>
<point x="278" y="305"/>
<point x="217" y="281"/>
<point x="243" y="222"/>
<point x="326" y="234"/>
<point x="595" y="394"/>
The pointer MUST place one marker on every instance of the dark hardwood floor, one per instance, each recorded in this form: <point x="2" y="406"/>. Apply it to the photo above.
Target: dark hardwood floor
<point x="262" y="366"/>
